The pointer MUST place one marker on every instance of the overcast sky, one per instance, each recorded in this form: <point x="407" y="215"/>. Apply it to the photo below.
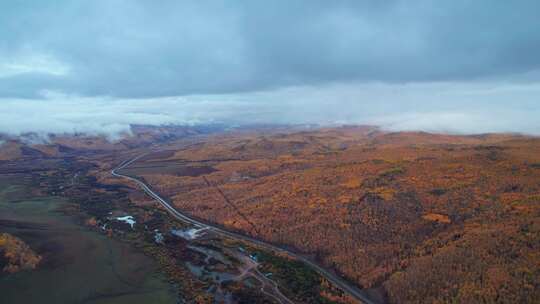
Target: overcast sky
<point x="98" y="66"/>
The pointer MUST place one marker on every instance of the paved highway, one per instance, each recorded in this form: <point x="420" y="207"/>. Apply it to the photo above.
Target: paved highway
<point x="336" y="280"/>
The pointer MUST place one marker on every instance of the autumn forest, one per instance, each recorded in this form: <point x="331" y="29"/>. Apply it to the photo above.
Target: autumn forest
<point x="415" y="216"/>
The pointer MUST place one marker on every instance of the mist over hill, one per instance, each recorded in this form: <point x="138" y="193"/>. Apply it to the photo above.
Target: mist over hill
<point x="458" y="108"/>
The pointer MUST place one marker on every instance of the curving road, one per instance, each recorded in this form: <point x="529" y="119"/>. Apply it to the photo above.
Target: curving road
<point x="337" y="281"/>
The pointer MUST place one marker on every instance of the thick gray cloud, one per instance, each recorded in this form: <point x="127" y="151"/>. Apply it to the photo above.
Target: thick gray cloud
<point x="145" y="49"/>
<point x="99" y="66"/>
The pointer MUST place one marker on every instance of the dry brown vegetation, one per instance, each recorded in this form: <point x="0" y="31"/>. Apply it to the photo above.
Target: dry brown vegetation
<point x="424" y="217"/>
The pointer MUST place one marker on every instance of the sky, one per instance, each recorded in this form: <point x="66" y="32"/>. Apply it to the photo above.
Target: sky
<point x="439" y="66"/>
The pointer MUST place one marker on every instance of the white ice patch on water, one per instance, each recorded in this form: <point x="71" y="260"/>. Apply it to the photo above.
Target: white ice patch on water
<point x="127" y="219"/>
<point x="189" y="234"/>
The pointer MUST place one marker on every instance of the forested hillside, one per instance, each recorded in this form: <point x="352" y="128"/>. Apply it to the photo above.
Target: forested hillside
<point x="421" y="217"/>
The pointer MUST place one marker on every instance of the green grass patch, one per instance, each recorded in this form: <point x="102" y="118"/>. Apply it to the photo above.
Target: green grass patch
<point x="297" y="280"/>
<point x="392" y="172"/>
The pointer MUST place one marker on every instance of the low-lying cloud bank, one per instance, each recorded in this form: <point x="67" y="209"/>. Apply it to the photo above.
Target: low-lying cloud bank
<point x="434" y="107"/>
